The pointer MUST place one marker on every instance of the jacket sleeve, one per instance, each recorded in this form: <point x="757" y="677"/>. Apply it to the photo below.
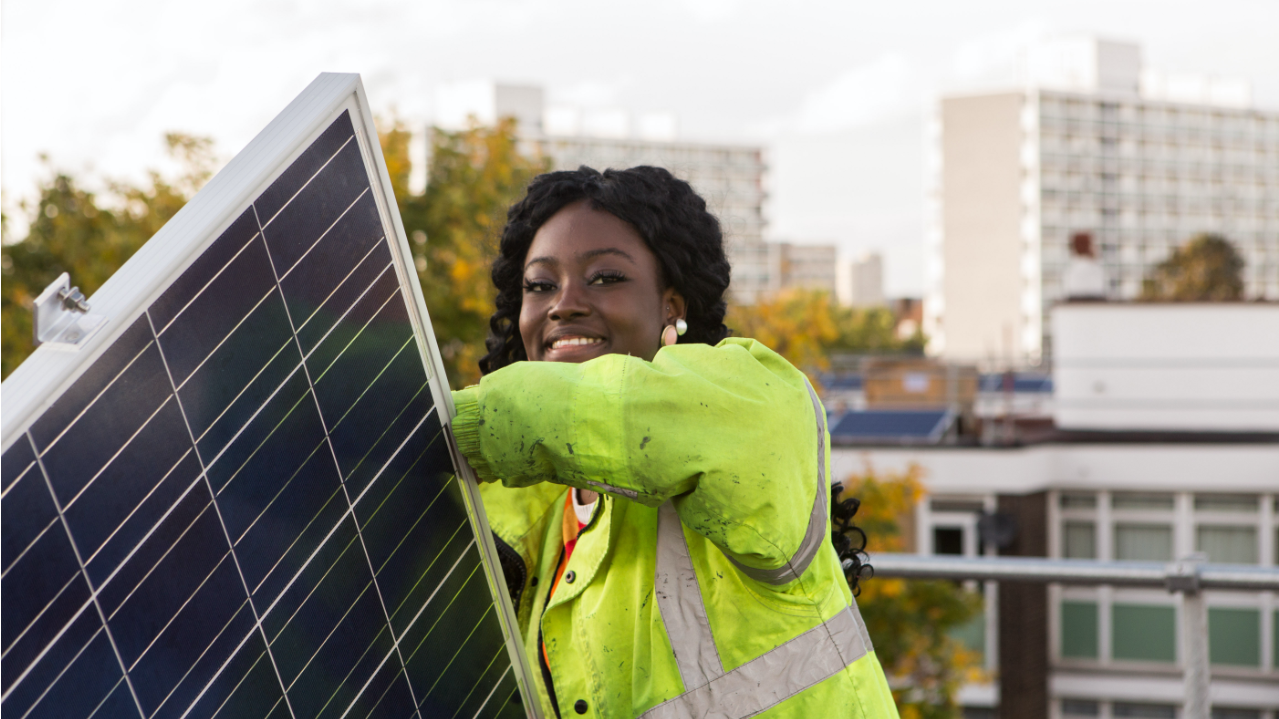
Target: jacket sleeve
<point x="727" y="432"/>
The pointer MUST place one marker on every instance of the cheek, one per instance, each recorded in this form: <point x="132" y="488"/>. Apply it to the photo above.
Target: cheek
<point x="530" y="329"/>
<point x="640" y="320"/>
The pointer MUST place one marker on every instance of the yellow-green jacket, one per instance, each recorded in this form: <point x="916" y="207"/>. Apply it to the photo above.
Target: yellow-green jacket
<point x="705" y="584"/>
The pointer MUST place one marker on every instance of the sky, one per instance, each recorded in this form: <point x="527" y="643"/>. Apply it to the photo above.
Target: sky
<point x="836" y="92"/>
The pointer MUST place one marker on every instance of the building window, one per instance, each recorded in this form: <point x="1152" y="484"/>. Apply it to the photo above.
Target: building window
<point x="1145" y="711"/>
<point x="1080" y="708"/>
<point x="1078" y="500"/>
<point x="1226" y="503"/>
<point x="1141" y="500"/>
<point x="1143" y="542"/>
<point x="1143" y="632"/>
<point x="1079" y="630"/>
<point x="1234" y="636"/>
<point x="1079" y="540"/>
<point x="1234" y="713"/>
<point x="948" y="540"/>
<point x="1227" y="544"/>
<point x="972" y="634"/>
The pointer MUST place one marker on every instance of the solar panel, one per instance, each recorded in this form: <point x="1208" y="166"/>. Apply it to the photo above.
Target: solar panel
<point x="904" y="426"/>
<point x="239" y="498"/>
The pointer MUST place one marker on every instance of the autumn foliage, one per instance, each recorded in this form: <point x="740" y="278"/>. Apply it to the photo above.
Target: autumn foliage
<point x="911" y="622"/>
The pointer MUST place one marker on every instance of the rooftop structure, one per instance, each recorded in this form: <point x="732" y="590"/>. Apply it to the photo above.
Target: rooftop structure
<point x="1155" y="437"/>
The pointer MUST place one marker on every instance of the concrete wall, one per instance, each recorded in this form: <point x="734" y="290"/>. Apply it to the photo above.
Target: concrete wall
<point x="1194" y="367"/>
<point x="1181" y="467"/>
<point x="980" y="223"/>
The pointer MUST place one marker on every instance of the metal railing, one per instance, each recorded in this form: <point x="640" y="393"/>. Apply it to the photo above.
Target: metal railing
<point x="1190" y="576"/>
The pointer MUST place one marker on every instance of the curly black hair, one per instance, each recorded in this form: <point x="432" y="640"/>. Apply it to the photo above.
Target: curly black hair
<point x="849" y="540"/>
<point x="667" y="213"/>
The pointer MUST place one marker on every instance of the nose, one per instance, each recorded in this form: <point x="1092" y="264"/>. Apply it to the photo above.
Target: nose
<point x="571" y="302"/>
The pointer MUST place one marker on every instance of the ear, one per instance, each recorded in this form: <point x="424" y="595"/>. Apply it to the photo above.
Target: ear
<point x="673" y="306"/>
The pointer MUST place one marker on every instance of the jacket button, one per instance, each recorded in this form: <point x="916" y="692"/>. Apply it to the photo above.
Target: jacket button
<point x="580" y="706"/>
<point x="569" y="576"/>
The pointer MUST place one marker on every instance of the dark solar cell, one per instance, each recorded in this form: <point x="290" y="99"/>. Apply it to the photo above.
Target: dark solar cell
<point x="246" y="505"/>
<point x="1021" y="382"/>
<point x="890" y="424"/>
<point x="301" y="170"/>
<point x="203" y="270"/>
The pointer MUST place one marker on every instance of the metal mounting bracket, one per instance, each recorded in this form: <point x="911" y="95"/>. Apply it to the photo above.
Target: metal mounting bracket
<point x="61" y="318"/>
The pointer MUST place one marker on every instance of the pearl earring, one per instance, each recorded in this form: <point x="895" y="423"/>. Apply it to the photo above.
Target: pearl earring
<point x="672" y="332"/>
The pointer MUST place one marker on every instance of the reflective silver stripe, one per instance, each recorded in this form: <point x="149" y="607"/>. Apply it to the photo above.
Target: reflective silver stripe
<point x="679" y="599"/>
<point x="760" y="684"/>
<point x="628" y="493"/>
<point x="816" y="532"/>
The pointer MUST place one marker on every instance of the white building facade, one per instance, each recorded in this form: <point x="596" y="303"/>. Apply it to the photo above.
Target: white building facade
<point x="1016" y="174"/>
<point x="1115" y="651"/>
<point x="1166" y="443"/>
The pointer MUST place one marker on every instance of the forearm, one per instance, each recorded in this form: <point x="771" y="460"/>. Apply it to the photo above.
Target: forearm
<point x="729" y="432"/>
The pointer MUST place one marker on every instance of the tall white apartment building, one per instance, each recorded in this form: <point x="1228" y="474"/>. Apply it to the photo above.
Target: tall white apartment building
<point x="1092" y="148"/>
<point x="730" y="177"/>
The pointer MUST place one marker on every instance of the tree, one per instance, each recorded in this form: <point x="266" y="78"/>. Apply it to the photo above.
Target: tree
<point x="73" y="230"/>
<point x="797" y="324"/>
<point x="1208" y="268"/>
<point x="474" y="175"/>
<point x="806" y="326"/>
<point x="910" y="622"/>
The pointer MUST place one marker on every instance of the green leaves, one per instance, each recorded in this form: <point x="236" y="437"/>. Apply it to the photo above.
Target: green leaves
<point x="1208" y="268"/>
<point x="74" y="230"/>
<point x="911" y="622"/>
<point x="454" y="227"/>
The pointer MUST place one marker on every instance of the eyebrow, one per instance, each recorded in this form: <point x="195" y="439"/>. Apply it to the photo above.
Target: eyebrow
<point x="589" y="254"/>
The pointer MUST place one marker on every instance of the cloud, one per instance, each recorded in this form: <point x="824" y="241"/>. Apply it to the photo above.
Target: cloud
<point x="993" y="59"/>
<point x="709" y="11"/>
<point x="886" y="87"/>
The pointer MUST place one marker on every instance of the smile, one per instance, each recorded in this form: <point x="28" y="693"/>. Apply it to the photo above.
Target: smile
<point x="575" y="342"/>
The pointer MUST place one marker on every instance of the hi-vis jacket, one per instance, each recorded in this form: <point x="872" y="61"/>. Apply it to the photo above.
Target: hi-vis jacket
<point x="705" y="584"/>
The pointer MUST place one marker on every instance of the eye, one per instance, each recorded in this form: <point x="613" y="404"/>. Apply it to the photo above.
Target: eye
<point x="607" y="277"/>
<point x="531" y="286"/>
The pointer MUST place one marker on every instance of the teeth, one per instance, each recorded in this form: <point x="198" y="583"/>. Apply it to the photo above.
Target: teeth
<point x="574" y="342"/>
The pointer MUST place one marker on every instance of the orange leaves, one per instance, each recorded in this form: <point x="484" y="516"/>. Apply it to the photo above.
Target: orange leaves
<point x="911" y="622"/>
<point x="797" y="324"/>
<point x="474" y="175"/>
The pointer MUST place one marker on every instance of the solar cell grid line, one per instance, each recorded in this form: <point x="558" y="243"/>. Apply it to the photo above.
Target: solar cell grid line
<point x="241" y="538"/>
<point x="315" y="397"/>
<point x="96" y="605"/>
<point x="303" y="366"/>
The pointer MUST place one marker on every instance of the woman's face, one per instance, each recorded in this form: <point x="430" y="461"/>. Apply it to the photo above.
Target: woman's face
<point x="591" y="288"/>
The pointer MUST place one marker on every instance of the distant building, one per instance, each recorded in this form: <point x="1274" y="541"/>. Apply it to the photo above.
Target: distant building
<point x="729" y="177"/>
<point x="1157" y="437"/>
<point x="861" y="281"/>
<point x="807" y="267"/>
<point x="1139" y="162"/>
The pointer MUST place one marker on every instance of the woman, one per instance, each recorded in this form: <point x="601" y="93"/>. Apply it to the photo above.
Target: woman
<point x="662" y="505"/>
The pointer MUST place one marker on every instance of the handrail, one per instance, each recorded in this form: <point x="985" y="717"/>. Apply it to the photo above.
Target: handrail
<point x="1186" y="575"/>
